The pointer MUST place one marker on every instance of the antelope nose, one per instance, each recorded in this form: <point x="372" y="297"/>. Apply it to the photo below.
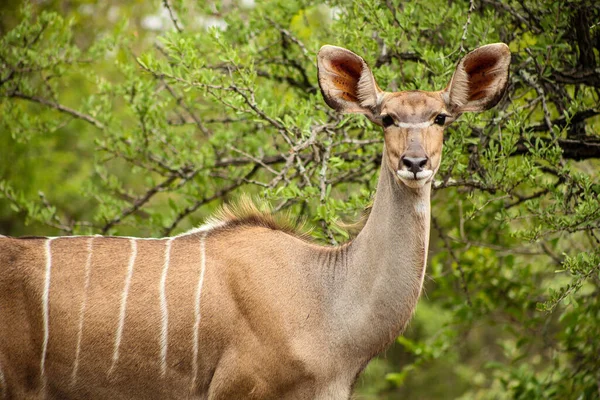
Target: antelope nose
<point x="414" y="164"/>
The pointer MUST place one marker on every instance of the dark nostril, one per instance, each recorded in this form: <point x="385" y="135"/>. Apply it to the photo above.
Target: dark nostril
<point x="407" y="162"/>
<point x="414" y="164"/>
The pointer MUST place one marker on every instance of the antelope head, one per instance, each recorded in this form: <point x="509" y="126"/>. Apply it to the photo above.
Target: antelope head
<point x="413" y="121"/>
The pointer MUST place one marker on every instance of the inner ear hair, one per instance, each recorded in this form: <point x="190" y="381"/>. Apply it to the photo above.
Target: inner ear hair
<point x="480" y="79"/>
<point x="346" y="82"/>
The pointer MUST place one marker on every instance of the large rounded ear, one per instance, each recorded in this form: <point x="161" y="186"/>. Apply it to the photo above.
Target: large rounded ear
<point x="347" y="83"/>
<point x="480" y="79"/>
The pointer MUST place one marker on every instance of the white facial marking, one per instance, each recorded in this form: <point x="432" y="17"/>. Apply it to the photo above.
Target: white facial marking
<point x="123" y="309"/>
<point x="86" y="284"/>
<point x="422" y="176"/>
<point x="45" y="310"/>
<point x="163" y="307"/>
<point x="196" y="338"/>
<point x="420" y="125"/>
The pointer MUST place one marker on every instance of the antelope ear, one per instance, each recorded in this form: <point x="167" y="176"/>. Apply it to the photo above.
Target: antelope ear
<point x="480" y="79"/>
<point x="347" y="83"/>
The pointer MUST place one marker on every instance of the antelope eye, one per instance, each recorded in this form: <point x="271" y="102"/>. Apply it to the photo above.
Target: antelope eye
<point x="440" y="119"/>
<point x="387" y="121"/>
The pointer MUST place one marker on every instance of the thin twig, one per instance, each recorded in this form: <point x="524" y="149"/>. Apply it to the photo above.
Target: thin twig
<point x="59" y="107"/>
<point x="448" y="245"/>
<point x="172" y="16"/>
<point x="323" y="186"/>
<point x="540" y="91"/>
<point x="139" y="202"/>
<point x="466" y="25"/>
<point x="181" y="103"/>
<point x="193" y="207"/>
<point x="254" y="159"/>
<point x="290" y="36"/>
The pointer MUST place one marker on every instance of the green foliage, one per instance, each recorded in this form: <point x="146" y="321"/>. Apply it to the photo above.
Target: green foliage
<point x="117" y="119"/>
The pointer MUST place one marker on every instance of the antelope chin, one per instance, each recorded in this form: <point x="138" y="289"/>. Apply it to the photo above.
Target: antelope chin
<point x="414" y="181"/>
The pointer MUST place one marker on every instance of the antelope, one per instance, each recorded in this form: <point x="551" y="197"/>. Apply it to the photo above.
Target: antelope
<point x="243" y="307"/>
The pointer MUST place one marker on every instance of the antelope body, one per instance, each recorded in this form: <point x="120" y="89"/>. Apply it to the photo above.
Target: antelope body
<point x="240" y="308"/>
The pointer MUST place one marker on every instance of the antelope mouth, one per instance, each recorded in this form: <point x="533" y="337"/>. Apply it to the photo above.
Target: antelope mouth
<point x="414" y="179"/>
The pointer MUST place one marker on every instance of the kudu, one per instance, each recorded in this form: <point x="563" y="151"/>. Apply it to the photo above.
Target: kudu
<point x="240" y="309"/>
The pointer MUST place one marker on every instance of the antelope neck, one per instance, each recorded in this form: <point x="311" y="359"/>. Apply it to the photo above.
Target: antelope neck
<point x="385" y="265"/>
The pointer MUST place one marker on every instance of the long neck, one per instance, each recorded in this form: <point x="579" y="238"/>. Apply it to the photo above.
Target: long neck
<point x="383" y="268"/>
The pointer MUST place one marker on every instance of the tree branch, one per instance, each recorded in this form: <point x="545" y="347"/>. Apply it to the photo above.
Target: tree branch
<point x="562" y="121"/>
<point x="578" y="76"/>
<point x="172" y="16"/>
<point x="59" y="107"/>
<point x="572" y="149"/>
<point x="139" y="202"/>
<point x="193" y="207"/>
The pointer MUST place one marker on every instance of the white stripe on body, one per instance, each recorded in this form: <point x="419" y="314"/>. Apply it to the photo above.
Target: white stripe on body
<point x="209" y="226"/>
<point x="45" y="310"/>
<point x="86" y="284"/>
<point x="123" y="309"/>
<point x="196" y="338"/>
<point x="163" y="307"/>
